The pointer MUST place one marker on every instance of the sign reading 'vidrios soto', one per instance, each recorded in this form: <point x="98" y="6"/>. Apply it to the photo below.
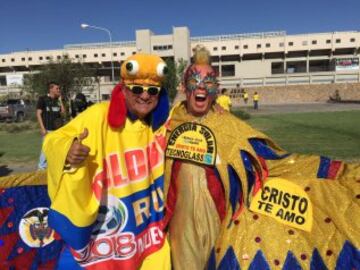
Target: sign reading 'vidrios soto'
<point x="192" y="142"/>
<point x="286" y="202"/>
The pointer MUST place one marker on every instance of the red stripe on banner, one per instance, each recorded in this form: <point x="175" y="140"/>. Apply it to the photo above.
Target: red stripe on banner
<point x="146" y="243"/>
<point x="333" y="169"/>
<point x="4" y="214"/>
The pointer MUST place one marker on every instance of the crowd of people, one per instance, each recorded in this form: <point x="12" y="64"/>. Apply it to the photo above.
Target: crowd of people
<point x="135" y="186"/>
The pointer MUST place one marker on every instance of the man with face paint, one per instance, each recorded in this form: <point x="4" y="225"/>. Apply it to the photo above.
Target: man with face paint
<point x="216" y="164"/>
<point x="195" y="222"/>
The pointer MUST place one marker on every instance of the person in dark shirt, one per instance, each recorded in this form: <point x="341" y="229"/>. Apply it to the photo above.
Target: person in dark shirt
<point x="78" y="105"/>
<point x="49" y="109"/>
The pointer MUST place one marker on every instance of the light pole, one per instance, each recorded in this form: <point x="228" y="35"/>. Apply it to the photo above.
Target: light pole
<point x="84" y="26"/>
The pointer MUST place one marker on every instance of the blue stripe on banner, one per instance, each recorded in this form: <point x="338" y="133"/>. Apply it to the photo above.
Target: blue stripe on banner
<point x="76" y="237"/>
<point x="67" y="261"/>
<point x="323" y="167"/>
<point x="265" y="151"/>
<point x="142" y="209"/>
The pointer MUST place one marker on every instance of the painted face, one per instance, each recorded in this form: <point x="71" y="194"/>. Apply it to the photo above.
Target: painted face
<point x="140" y="104"/>
<point x="201" y="89"/>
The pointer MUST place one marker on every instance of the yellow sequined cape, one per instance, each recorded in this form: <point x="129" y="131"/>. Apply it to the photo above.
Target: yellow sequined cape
<point x="249" y="240"/>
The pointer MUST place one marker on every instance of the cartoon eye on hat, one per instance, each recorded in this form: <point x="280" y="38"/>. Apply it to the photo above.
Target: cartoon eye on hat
<point x="162" y="69"/>
<point x="132" y="67"/>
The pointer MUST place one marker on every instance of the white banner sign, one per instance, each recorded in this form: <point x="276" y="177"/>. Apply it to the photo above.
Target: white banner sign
<point x="14" y="79"/>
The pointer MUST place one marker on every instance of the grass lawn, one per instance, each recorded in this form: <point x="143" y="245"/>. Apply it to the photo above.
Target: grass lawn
<point x="334" y="134"/>
<point x="20" y="147"/>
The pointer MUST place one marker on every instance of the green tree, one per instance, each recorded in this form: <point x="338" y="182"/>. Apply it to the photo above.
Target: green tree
<point x="174" y="76"/>
<point x="72" y="77"/>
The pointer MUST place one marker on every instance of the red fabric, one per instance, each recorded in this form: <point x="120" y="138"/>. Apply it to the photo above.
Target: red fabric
<point x="4" y="214"/>
<point x="9" y="241"/>
<point x="24" y="260"/>
<point x="333" y="169"/>
<point x="258" y="179"/>
<point x="117" y="109"/>
<point x="216" y="191"/>
<point x="172" y="193"/>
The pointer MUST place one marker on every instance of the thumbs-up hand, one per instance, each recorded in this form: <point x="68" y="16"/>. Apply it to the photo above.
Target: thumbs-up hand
<point x="78" y="152"/>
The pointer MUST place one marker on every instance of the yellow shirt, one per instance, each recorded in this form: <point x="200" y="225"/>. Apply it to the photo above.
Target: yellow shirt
<point x="224" y="101"/>
<point x="256" y="97"/>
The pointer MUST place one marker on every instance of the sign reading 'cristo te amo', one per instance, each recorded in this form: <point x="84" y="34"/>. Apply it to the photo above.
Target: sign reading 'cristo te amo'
<point x="192" y="142"/>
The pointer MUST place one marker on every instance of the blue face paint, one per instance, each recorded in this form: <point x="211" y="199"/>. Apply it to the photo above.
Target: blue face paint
<point x="209" y="82"/>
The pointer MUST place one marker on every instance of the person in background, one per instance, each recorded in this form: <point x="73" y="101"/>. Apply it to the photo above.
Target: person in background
<point x="49" y="111"/>
<point x="256" y="100"/>
<point x="245" y="96"/>
<point x="224" y="100"/>
<point x="78" y="105"/>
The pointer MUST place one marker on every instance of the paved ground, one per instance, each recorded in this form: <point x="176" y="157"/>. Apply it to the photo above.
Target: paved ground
<point x="263" y="109"/>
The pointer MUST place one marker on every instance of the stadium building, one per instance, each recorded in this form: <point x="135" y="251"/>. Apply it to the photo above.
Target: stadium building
<point x="254" y="60"/>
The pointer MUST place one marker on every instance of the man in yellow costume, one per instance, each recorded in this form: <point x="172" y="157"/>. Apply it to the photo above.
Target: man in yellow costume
<point x="235" y="200"/>
<point x="105" y="174"/>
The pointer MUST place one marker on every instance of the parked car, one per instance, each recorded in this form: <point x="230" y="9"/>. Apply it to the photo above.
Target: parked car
<point x="14" y="110"/>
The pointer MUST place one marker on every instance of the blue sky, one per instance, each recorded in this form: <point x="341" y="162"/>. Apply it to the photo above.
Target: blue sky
<point x="50" y="24"/>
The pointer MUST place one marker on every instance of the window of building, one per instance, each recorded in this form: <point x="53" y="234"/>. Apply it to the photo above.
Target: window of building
<point x="328" y="41"/>
<point x="122" y="54"/>
<point x="352" y="39"/>
<point x="66" y="56"/>
<point x="58" y="57"/>
<point x="76" y="56"/>
<point x="114" y="54"/>
<point x="223" y="48"/>
<point x="236" y="47"/>
<point x="170" y="47"/>
<point x="103" y="55"/>
<point x="267" y="45"/>
<point x="133" y="52"/>
<point x="30" y="58"/>
<point x="281" y="44"/>
<point x="12" y="59"/>
<point x="304" y="43"/>
<point x="23" y="59"/>
<point x="228" y="70"/>
<point x="338" y="40"/>
<point x="95" y="55"/>
<point x="291" y="43"/>
<point x="314" y="42"/>
<point x="3" y="60"/>
<point x="155" y="48"/>
<point x="40" y="58"/>
<point x="245" y="47"/>
<point x="258" y="46"/>
<point x="47" y="57"/>
<point x="84" y="55"/>
<point x="214" y="48"/>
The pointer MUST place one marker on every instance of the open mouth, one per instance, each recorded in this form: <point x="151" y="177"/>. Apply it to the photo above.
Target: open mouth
<point x="200" y="97"/>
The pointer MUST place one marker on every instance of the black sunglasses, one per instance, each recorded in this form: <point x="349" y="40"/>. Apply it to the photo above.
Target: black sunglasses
<point x="139" y="89"/>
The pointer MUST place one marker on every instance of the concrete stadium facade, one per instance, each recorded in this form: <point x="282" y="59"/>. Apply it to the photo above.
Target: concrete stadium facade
<point x="247" y="60"/>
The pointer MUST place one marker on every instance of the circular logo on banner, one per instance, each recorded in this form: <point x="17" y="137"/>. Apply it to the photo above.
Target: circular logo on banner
<point x="111" y="218"/>
<point x="34" y="229"/>
<point x="193" y="142"/>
